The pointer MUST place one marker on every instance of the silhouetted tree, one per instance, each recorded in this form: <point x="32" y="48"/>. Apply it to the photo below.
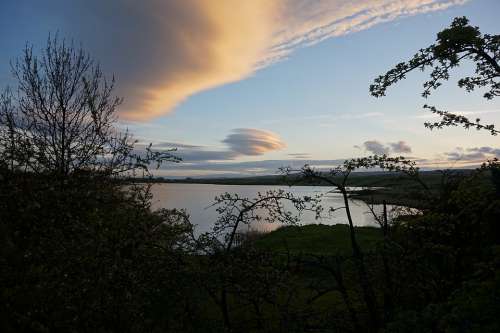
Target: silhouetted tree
<point x="338" y="178"/>
<point x="61" y="117"/>
<point x="78" y="247"/>
<point x="235" y="212"/>
<point x="452" y="245"/>
<point x="455" y="44"/>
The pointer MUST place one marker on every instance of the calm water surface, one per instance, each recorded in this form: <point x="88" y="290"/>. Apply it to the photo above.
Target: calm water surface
<point x="197" y="198"/>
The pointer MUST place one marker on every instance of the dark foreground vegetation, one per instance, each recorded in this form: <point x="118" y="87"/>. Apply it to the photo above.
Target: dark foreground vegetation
<point x="81" y="250"/>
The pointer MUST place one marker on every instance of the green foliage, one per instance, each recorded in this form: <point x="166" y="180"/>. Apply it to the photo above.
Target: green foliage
<point x="318" y="239"/>
<point x="81" y="256"/>
<point x="458" y="42"/>
<point x="473" y="307"/>
<point x="78" y="247"/>
<point x="455" y="44"/>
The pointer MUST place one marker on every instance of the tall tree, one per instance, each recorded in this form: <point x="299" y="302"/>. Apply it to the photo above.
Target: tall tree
<point x="61" y="117"/>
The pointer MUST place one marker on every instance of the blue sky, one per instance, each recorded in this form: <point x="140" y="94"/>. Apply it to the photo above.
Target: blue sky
<point x="233" y="101"/>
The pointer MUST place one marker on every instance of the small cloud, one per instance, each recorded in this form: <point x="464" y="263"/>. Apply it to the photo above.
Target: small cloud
<point x="400" y="147"/>
<point x="300" y="155"/>
<point x="458" y="112"/>
<point x="200" y="155"/>
<point x="376" y="147"/>
<point x="252" y="142"/>
<point x="485" y="150"/>
<point x="475" y="154"/>
<point x="175" y="145"/>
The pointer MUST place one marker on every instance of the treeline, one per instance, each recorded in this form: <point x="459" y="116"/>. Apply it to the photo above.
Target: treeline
<point x="82" y="251"/>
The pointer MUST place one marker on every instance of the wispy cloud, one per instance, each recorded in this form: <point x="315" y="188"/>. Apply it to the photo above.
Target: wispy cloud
<point x="472" y="155"/>
<point x="300" y="155"/>
<point x="307" y="24"/>
<point x="250" y="168"/>
<point x="162" y="52"/>
<point x="460" y="157"/>
<point x="459" y="112"/>
<point x="177" y="145"/>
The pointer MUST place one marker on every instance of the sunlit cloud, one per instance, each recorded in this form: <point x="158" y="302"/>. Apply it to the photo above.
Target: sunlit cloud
<point x="241" y="142"/>
<point x="249" y="141"/>
<point x="306" y="24"/>
<point x="162" y="52"/>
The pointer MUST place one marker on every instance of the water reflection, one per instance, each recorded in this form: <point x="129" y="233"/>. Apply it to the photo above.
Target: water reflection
<point x="198" y="198"/>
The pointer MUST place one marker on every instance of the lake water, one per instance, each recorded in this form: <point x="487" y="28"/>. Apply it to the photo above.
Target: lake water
<point x="197" y="199"/>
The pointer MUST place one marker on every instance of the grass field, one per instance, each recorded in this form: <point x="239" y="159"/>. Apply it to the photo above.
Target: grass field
<point x="318" y="239"/>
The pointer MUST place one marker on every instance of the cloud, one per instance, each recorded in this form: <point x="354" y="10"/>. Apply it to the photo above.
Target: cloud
<point x="472" y="155"/>
<point x="162" y="52"/>
<point x="164" y="144"/>
<point x="222" y="167"/>
<point x="299" y="155"/>
<point x="238" y="169"/>
<point x="241" y="142"/>
<point x="201" y="155"/>
<point x="376" y="147"/>
<point x="400" y="147"/>
<point x="462" y="113"/>
<point x="485" y="150"/>
<point x="304" y="24"/>
<point x="249" y="141"/>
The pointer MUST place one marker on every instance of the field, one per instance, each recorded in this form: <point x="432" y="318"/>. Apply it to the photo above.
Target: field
<point x="318" y="239"/>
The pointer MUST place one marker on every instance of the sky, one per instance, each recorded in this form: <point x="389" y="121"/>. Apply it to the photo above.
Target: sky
<point x="246" y="87"/>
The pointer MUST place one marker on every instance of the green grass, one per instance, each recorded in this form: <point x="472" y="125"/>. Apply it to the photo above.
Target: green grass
<point x="318" y="239"/>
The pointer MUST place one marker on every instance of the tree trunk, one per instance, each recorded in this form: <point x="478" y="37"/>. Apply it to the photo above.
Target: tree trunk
<point x="368" y="294"/>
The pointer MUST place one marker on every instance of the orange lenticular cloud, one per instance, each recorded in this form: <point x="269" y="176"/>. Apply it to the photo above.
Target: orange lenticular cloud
<point x="224" y="50"/>
<point x="165" y="51"/>
<point x="253" y="142"/>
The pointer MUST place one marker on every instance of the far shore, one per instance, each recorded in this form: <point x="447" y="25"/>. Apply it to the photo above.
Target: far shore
<point x="372" y="187"/>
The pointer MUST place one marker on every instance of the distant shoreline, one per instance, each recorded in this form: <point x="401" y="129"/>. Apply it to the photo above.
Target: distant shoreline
<point x="392" y="187"/>
<point x="363" y="178"/>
